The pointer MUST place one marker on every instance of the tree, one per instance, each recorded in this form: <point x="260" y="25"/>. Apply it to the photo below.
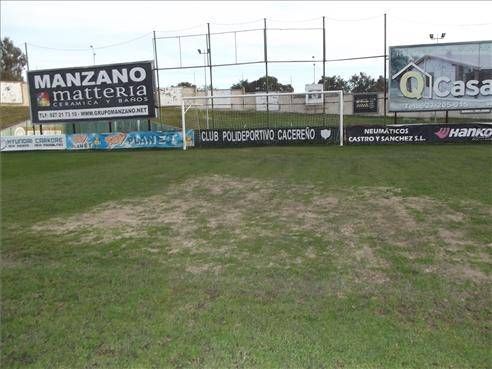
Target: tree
<point x="379" y="85"/>
<point x="184" y="84"/>
<point x="361" y="83"/>
<point x="12" y="63"/>
<point x="261" y="83"/>
<point x="241" y="84"/>
<point x="334" y="83"/>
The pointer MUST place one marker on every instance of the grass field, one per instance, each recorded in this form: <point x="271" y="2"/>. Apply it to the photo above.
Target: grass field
<point x="279" y="257"/>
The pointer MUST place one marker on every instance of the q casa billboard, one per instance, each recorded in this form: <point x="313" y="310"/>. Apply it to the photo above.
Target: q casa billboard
<point x="100" y="92"/>
<point x="449" y="76"/>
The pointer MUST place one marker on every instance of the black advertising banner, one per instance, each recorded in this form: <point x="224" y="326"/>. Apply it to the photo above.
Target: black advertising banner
<point x="100" y="92"/>
<point x="365" y="103"/>
<point x="267" y="136"/>
<point x="430" y="133"/>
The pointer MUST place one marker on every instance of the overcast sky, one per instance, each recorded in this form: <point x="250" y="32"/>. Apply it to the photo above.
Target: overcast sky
<point x="352" y="29"/>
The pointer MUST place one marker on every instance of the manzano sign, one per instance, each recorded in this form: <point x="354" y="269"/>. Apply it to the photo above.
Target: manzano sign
<point x="101" y="92"/>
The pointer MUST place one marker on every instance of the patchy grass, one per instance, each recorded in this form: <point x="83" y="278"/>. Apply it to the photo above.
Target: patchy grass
<point x="304" y="257"/>
<point x="10" y="115"/>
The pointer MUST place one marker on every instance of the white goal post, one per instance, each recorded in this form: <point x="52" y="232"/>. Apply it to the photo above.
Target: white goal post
<point x="263" y="110"/>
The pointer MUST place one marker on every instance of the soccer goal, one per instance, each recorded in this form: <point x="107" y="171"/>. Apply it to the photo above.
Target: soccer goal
<point x="269" y="111"/>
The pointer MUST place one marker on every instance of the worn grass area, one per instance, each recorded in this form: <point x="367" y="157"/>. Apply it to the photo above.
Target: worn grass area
<point x="10" y="115"/>
<point x="304" y="257"/>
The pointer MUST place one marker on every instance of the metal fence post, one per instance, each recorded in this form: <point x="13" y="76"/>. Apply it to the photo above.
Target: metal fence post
<point x="209" y="52"/>
<point x="341" y="117"/>
<point x="29" y="93"/>
<point x="183" y="124"/>
<point x="265" y="51"/>
<point x="324" y="62"/>
<point x="384" y="58"/>
<point x="158" y="83"/>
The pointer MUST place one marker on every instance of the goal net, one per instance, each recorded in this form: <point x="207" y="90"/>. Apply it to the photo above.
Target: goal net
<point x="262" y="110"/>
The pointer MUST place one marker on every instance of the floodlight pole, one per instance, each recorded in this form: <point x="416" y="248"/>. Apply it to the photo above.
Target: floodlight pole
<point x="437" y="38"/>
<point x="314" y="71"/>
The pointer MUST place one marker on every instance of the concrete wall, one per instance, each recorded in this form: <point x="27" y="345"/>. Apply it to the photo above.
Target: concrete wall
<point x="297" y="104"/>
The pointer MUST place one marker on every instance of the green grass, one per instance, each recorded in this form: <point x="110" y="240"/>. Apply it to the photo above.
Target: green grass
<point x="275" y="257"/>
<point x="10" y="115"/>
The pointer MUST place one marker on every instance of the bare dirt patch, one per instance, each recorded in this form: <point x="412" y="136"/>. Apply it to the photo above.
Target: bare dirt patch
<point x="219" y="215"/>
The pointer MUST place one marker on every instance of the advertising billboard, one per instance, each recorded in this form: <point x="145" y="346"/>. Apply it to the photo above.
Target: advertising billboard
<point x="267" y="136"/>
<point x="30" y="143"/>
<point x="261" y="102"/>
<point x="314" y="95"/>
<point x="11" y="92"/>
<point x="130" y="140"/>
<point x="419" y="133"/>
<point x="365" y="103"/>
<point x="448" y="76"/>
<point x="100" y="92"/>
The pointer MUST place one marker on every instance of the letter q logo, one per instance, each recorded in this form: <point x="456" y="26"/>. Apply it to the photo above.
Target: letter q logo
<point x="413" y="82"/>
<point x="417" y="89"/>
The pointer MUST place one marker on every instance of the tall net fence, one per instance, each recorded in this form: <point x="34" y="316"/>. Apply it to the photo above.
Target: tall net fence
<point x="282" y="110"/>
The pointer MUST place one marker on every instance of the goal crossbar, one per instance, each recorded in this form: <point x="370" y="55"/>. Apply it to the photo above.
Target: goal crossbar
<point x="188" y="102"/>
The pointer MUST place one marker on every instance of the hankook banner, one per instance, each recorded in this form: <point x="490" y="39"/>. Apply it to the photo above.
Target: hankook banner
<point x="101" y="92"/>
<point x="267" y="136"/>
<point x="425" y="133"/>
<point x="450" y="76"/>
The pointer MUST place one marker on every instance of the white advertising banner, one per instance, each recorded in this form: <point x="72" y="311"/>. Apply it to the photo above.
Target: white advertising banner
<point x="11" y="92"/>
<point x="261" y="103"/>
<point x="171" y="96"/>
<point x="222" y="99"/>
<point x="29" y="143"/>
<point x="314" y="94"/>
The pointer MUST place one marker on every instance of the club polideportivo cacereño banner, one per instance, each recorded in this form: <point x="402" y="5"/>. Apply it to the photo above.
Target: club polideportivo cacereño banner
<point x="416" y="133"/>
<point x="448" y="76"/>
<point x="267" y="136"/>
<point x="100" y="92"/>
